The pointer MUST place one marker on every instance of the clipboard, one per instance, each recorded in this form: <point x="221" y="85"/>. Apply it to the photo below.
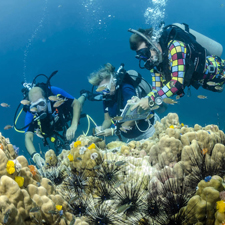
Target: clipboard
<point x="136" y="114"/>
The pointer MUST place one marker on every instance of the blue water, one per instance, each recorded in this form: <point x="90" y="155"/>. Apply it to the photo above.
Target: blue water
<point x="76" y="40"/>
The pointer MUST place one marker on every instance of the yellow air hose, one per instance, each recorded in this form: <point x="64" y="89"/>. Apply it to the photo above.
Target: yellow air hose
<point x="20" y="131"/>
<point x="88" y="119"/>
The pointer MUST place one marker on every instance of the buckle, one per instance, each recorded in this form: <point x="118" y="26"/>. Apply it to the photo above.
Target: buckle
<point x="211" y="69"/>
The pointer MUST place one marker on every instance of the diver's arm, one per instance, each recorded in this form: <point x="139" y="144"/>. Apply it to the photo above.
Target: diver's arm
<point x="29" y="136"/>
<point x="70" y="133"/>
<point x="177" y="56"/>
<point x="157" y="80"/>
<point x="105" y="129"/>
<point x="107" y="121"/>
<point x="81" y="99"/>
<point x="76" y="105"/>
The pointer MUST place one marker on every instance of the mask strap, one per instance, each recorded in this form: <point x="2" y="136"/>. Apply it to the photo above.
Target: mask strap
<point x="149" y="42"/>
<point x="49" y="107"/>
<point x="109" y="86"/>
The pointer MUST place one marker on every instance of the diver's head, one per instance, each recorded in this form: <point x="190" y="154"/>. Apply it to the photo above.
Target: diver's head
<point x="148" y="53"/>
<point x="38" y="101"/>
<point x="104" y="79"/>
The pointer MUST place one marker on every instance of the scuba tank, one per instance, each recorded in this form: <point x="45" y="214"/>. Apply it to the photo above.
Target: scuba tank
<point x="143" y="87"/>
<point x="212" y="47"/>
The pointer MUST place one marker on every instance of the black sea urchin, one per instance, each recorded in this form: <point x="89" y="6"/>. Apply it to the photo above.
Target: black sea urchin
<point x="130" y="197"/>
<point x="202" y="166"/>
<point x="139" y="220"/>
<point x="104" y="192"/>
<point x="78" y="205"/>
<point x="76" y="182"/>
<point x="108" y="172"/>
<point x="183" y="217"/>
<point x="102" y="214"/>
<point x="174" y="194"/>
<point x="152" y="208"/>
<point x="53" y="174"/>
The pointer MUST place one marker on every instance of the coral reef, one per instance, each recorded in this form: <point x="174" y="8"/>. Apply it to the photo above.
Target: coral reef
<point x="174" y="177"/>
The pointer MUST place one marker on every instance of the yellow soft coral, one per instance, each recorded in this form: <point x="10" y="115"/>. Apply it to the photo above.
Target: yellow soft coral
<point x="19" y="181"/>
<point x="10" y="167"/>
<point x="92" y="146"/>
<point x="76" y="144"/>
<point x="58" y="207"/>
<point x="220" y="206"/>
<point x="70" y="157"/>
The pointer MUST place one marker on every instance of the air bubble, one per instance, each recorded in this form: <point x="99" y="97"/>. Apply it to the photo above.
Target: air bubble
<point x="154" y="16"/>
<point x="26" y="51"/>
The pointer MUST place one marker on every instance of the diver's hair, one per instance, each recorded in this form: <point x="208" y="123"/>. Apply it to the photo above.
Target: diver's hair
<point x="105" y="72"/>
<point x="35" y="90"/>
<point x="136" y="40"/>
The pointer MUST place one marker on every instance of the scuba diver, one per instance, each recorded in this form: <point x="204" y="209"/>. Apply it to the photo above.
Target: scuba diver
<point x="181" y="58"/>
<point x="48" y="111"/>
<point x="117" y="89"/>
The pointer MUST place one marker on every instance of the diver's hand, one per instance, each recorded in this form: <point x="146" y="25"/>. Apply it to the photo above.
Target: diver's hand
<point x="98" y="129"/>
<point x="84" y="93"/>
<point x="106" y="132"/>
<point x="143" y="103"/>
<point x="134" y="99"/>
<point x="70" y="133"/>
<point x="125" y="128"/>
<point x="87" y="94"/>
<point x="39" y="161"/>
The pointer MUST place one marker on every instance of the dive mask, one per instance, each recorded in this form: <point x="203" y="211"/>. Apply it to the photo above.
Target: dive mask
<point x="144" y="57"/>
<point x="106" y="88"/>
<point x="39" y="105"/>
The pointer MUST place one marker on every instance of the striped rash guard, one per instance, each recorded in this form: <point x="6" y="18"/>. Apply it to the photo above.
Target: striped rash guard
<point x="176" y="55"/>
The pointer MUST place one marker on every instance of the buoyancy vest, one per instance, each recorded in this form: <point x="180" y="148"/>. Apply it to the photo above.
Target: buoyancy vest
<point x="132" y="77"/>
<point x="195" y="57"/>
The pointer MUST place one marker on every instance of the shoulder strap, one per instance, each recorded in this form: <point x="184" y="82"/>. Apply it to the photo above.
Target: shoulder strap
<point x="119" y="98"/>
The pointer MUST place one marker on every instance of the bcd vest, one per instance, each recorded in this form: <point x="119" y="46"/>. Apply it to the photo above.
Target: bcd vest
<point x="195" y="57"/>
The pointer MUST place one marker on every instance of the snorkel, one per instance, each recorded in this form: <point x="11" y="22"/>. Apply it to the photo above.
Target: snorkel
<point x="149" y="62"/>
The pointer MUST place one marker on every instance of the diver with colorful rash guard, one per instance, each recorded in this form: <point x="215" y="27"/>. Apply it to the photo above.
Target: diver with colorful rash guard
<point x="105" y="78"/>
<point x="175" y="61"/>
<point x="52" y="120"/>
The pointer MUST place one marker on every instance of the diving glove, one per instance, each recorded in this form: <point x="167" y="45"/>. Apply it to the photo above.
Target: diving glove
<point x="39" y="161"/>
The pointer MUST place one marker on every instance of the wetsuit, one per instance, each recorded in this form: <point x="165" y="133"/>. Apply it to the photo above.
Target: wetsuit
<point x="56" y="119"/>
<point x="177" y="65"/>
<point x="110" y="107"/>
